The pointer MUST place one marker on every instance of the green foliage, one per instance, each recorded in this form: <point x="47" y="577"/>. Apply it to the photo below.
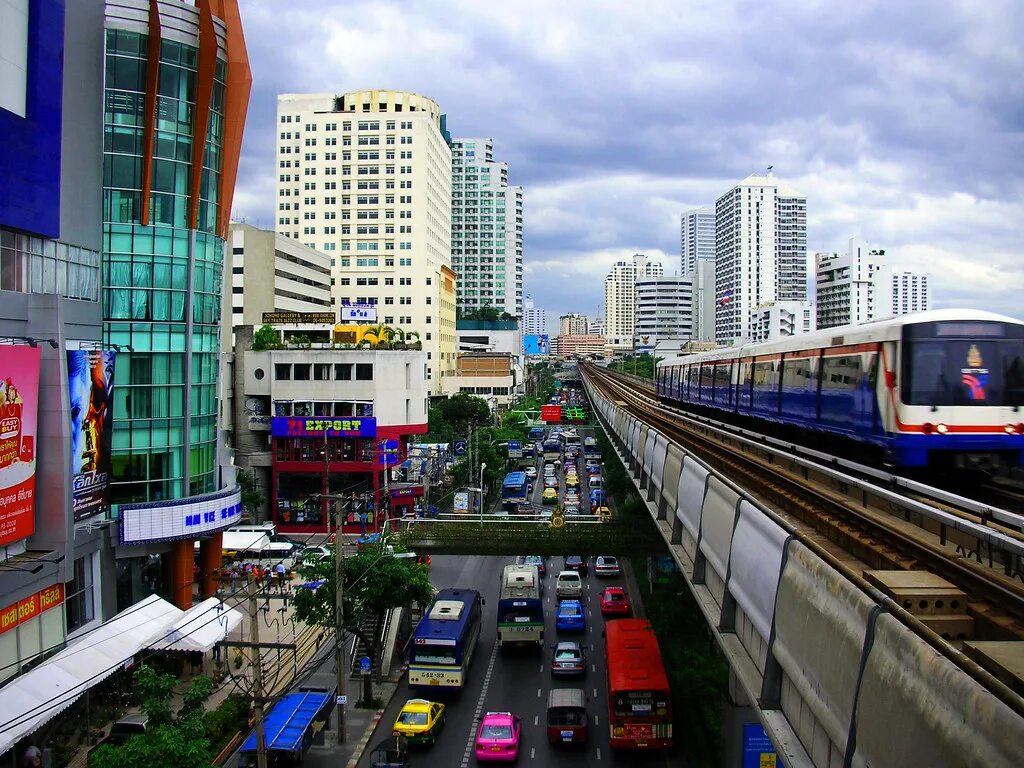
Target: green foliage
<point x="486" y="312"/>
<point x="154" y="690"/>
<point x="638" y="365"/>
<point x="374" y="582"/>
<point x="252" y="497"/>
<point x="226" y="720"/>
<point x="265" y="338"/>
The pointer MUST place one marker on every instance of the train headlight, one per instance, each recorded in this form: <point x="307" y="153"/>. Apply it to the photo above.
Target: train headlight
<point x="941" y="429"/>
<point x="1014" y="429"/>
<point x="927" y="428"/>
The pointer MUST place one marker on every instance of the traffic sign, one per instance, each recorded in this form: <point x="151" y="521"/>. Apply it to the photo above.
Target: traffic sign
<point x="364" y="664"/>
<point x="515" y="449"/>
<point x="341" y="700"/>
<point x="459" y="448"/>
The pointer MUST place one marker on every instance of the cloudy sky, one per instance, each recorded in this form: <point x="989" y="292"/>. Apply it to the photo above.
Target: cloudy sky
<point x="902" y="122"/>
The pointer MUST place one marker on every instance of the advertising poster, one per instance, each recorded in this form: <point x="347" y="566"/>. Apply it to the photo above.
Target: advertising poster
<point x="19" y="405"/>
<point x="534" y="344"/>
<point x="758" y="750"/>
<point x="91" y="390"/>
<point x="461" y="505"/>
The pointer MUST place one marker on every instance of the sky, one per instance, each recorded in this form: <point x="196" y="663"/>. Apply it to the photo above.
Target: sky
<point x="901" y="121"/>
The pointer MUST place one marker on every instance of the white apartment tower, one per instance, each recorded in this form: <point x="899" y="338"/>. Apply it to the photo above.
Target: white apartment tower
<point x="852" y="287"/>
<point x="760" y="252"/>
<point x="910" y="293"/>
<point x="696" y="238"/>
<point x="620" y="298"/>
<point x="535" y="321"/>
<point x="487" y="229"/>
<point x="676" y="307"/>
<point x="365" y="177"/>
<point x="572" y="325"/>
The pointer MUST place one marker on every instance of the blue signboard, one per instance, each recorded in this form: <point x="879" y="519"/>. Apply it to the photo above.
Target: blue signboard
<point x="758" y="750"/>
<point x="459" y="447"/>
<point x="364" y="664"/>
<point x="515" y="449"/>
<point x="534" y="344"/>
<point x="387" y="453"/>
<point x="294" y="426"/>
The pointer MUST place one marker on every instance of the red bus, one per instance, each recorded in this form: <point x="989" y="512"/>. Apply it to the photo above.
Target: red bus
<point x="639" y="700"/>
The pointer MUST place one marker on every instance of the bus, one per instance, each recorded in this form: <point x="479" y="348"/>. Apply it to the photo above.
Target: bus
<point x="514" y="490"/>
<point x="639" y="699"/>
<point x="569" y="438"/>
<point x="590" y="449"/>
<point x="445" y="640"/>
<point x="521" y="607"/>
<point x="552" y="448"/>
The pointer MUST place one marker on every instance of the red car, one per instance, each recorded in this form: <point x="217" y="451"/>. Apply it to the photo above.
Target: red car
<point x="614" y="602"/>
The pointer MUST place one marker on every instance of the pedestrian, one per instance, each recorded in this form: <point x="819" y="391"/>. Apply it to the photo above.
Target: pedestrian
<point x="280" y="571"/>
<point x="33" y="757"/>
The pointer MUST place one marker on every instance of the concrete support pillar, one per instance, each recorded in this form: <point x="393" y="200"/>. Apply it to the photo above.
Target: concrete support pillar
<point x="211" y="558"/>
<point x="181" y="558"/>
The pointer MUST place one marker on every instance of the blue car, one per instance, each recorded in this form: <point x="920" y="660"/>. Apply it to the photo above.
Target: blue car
<point x="570" y="616"/>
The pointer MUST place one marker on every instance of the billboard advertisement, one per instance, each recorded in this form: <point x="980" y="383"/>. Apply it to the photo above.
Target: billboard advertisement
<point x="91" y="390"/>
<point x="358" y="313"/>
<point x="19" y="404"/>
<point x="534" y="344"/>
<point x="461" y="504"/>
<point x="551" y="414"/>
<point x="315" y="426"/>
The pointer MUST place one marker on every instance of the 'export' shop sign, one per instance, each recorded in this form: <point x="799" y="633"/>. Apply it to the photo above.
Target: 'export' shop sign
<point x="31" y="607"/>
<point x="295" y="426"/>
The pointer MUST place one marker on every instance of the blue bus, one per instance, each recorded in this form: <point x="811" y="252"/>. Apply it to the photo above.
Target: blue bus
<point x="515" y="490"/>
<point x="445" y="640"/>
<point x="535" y="434"/>
<point x="552" y="449"/>
<point x="521" y="607"/>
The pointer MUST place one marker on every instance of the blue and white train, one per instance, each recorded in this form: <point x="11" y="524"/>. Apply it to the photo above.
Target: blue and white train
<point x="938" y="388"/>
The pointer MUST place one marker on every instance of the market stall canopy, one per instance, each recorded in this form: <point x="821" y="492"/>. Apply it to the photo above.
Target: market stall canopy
<point x="200" y="628"/>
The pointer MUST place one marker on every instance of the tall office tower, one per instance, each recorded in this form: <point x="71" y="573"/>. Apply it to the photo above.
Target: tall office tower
<point x="852" y="287"/>
<point x="696" y="238"/>
<point x="177" y="90"/>
<point x="760" y="252"/>
<point x="53" y="502"/>
<point x="366" y="178"/>
<point x="535" y="320"/>
<point x="487" y="229"/>
<point x="664" y="310"/>
<point x="620" y="298"/>
<point x="910" y="293"/>
<point x="572" y="325"/>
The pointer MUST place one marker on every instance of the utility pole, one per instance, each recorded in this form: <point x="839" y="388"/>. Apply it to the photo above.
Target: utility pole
<point x="256" y="660"/>
<point x="339" y="622"/>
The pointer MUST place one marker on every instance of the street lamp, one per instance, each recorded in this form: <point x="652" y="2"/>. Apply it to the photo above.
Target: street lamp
<point x="483" y="494"/>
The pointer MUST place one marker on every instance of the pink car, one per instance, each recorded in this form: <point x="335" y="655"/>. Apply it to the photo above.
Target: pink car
<point x="497" y="739"/>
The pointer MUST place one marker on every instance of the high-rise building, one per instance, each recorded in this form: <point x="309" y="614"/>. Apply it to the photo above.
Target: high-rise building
<point x="487" y="229"/>
<point x="852" y="287"/>
<point x="572" y="325"/>
<point x="595" y="326"/>
<point x="535" y="320"/>
<point x="675" y="307"/>
<point x="177" y="90"/>
<point x="760" y="252"/>
<point x="273" y="273"/>
<point x="365" y="177"/>
<point x="696" y="238"/>
<point x="779" y="319"/>
<point x="620" y="298"/>
<point x="54" y="374"/>
<point x="910" y="293"/>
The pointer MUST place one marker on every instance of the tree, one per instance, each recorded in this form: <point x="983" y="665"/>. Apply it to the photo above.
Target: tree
<point x="374" y="583"/>
<point x="168" y="742"/>
<point x="265" y="338"/>
<point x="252" y="496"/>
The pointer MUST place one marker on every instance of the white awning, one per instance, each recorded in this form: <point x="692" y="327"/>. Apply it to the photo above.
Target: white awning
<point x="31" y="700"/>
<point x="200" y="628"/>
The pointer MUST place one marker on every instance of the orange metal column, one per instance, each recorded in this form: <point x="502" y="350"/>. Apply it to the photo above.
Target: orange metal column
<point x="211" y="558"/>
<point x="182" y="560"/>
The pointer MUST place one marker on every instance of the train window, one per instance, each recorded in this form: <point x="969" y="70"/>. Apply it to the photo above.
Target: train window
<point x="723" y="383"/>
<point x="841" y="372"/>
<point x="707" y="374"/>
<point x="746" y="373"/>
<point x="764" y="375"/>
<point x="797" y="372"/>
<point x="963" y="372"/>
<point x="1013" y="373"/>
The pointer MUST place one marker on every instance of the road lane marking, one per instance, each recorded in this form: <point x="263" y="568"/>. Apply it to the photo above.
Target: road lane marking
<point x="596" y="717"/>
<point x="536" y="719"/>
<point x="598" y="753"/>
<point x="595" y="693"/>
<point x="538" y="692"/>
<point x="593" y="667"/>
<point x="479" y="707"/>
<point x="542" y="669"/>
<point x="533" y="752"/>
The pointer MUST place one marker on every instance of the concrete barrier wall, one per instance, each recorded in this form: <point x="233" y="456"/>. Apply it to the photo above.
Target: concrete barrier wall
<point x="647" y="457"/>
<point x="657" y="469"/>
<point x="670" y="477"/>
<point x="690" y="492"/>
<point x="915" y="707"/>
<point x="717" y="520"/>
<point x="821" y="621"/>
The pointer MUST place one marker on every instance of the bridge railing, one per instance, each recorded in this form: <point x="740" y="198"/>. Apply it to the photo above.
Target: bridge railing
<point x="838" y="672"/>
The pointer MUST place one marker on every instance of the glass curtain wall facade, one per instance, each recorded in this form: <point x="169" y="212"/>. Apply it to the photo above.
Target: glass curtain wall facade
<point x="161" y="280"/>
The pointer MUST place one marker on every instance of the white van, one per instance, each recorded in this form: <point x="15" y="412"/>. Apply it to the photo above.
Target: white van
<point x="569" y="586"/>
<point x="595" y="481"/>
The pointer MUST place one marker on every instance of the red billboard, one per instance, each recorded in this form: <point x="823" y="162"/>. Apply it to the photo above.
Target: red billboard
<point x="552" y="414"/>
<point x="19" y="404"/>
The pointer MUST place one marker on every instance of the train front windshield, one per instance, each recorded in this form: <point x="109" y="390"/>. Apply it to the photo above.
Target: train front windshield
<point x="963" y="363"/>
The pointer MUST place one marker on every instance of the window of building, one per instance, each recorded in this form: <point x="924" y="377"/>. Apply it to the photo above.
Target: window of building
<point x="343" y="371"/>
<point x="322" y="372"/>
<point x="301" y="371"/>
<point x="282" y="371"/>
<point x="80" y="600"/>
<point x="364" y="371"/>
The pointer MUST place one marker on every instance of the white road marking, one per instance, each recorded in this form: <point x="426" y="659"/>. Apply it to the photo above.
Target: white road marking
<point x="479" y="706"/>
<point x="536" y="719"/>
<point x="542" y="669"/>
<point x="539" y="692"/>
<point x="595" y="693"/>
<point x="593" y="667"/>
<point x="598" y="753"/>
<point x="595" y="719"/>
<point x="533" y="752"/>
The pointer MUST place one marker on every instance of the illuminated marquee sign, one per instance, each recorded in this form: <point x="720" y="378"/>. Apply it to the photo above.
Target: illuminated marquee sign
<point x="186" y="519"/>
<point x="574" y="413"/>
<point x="305" y="318"/>
<point x="31" y="607"/>
<point x="552" y="414"/>
<point x="291" y="426"/>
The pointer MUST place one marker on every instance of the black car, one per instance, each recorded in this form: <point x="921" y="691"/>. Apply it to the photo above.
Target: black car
<point x="576" y="563"/>
<point x="568" y="659"/>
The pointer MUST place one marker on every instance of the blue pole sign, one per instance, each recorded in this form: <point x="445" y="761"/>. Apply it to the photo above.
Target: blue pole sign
<point x="758" y="750"/>
<point x="364" y="664"/>
<point x="459" y="448"/>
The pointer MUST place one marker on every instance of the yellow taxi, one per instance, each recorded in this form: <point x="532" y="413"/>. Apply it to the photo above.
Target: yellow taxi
<point x="550" y="495"/>
<point x="604" y="513"/>
<point x="420" y="721"/>
<point x="572" y="481"/>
